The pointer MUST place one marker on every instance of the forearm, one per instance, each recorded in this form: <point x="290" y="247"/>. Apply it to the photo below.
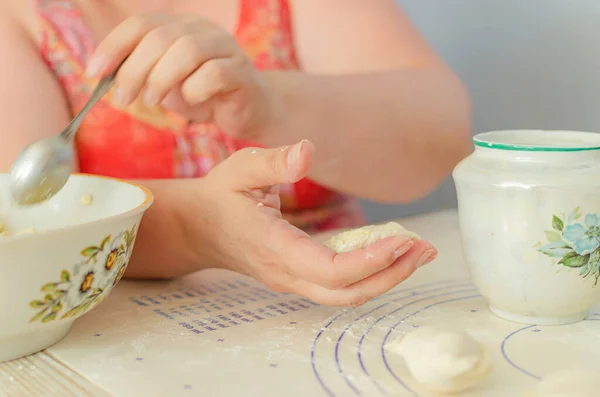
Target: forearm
<point x="389" y="137"/>
<point x="163" y="248"/>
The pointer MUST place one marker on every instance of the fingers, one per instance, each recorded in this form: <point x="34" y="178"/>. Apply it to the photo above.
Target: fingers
<point x="201" y="67"/>
<point x="165" y="58"/>
<point x="312" y="261"/>
<point x="254" y="168"/>
<point x="122" y="41"/>
<point x="135" y="70"/>
<point x="377" y="284"/>
<point x="165" y="52"/>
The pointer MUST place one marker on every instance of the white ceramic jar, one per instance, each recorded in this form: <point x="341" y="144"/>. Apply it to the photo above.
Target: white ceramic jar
<point x="529" y="208"/>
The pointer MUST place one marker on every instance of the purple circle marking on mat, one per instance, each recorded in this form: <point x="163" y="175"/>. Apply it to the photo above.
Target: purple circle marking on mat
<point x="326" y="389"/>
<point x="312" y="355"/>
<point x="368" y="330"/>
<point x="511" y="362"/>
<point x="337" y="344"/>
<point x="447" y="284"/>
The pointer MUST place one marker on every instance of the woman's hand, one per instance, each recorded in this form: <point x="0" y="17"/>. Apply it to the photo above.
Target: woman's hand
<point x="238" y="226"/>
<point x="190" y="65"/>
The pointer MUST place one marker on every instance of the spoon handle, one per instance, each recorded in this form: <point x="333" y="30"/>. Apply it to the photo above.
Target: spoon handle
<point x="104" y="85"/>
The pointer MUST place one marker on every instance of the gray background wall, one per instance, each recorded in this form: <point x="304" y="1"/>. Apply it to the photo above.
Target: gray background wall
<point x="527" y="64"/>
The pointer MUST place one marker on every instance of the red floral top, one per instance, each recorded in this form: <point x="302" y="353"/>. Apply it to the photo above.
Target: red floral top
<point x="144" y="143"/>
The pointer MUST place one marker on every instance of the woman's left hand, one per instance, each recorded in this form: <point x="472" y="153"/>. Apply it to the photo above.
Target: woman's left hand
<point x="190" y="65"/>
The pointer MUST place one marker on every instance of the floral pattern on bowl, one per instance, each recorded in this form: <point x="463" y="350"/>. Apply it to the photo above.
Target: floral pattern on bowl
<point x="574" y="243"/>
<point x="89" y="281"/>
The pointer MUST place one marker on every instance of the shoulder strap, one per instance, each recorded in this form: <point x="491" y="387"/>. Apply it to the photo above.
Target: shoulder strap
<point x="265" y="31"/>
<point x="62" y="27"/>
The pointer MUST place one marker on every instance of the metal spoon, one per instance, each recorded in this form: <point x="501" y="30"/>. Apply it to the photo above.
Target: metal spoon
<point x="43" y="167"/>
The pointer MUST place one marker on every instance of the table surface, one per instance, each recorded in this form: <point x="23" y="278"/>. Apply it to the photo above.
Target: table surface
<point x="221" y="334"/>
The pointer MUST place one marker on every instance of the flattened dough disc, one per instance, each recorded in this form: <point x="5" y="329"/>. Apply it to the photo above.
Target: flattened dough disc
<point x="366" y="235"/>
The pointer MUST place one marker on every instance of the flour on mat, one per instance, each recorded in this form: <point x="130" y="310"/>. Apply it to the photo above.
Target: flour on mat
<point x="575" y="382"/>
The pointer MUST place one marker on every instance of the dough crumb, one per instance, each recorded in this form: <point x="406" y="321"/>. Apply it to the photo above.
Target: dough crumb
<point x="260" y="205"/>
<point x="444" y="361"/>
<point x="572" y="382"/>
<point x="366" y="235"/>
<point x="87" y="199"/>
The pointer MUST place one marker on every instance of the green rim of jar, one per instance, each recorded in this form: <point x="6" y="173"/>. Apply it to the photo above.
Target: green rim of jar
<point x="480" y="141"/>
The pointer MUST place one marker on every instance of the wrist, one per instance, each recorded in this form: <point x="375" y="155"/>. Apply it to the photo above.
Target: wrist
<point x="189" y="220"/>
<point x="164" y="247"/>
<point x="198" y="218"/>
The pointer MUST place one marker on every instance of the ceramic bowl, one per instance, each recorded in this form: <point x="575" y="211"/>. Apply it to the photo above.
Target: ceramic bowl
<point x="78" y="252"/>
<point x="529" y="210"/>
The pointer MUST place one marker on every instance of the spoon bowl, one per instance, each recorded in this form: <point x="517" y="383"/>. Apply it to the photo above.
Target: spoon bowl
<point x="41" y="170"/>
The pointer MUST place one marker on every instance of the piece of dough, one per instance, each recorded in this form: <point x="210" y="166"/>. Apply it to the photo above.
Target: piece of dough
<point x="572" y="382"/>
<point x="87" y="199"/>
<point x="366" y="235"/>
<point x="444" y="361"/>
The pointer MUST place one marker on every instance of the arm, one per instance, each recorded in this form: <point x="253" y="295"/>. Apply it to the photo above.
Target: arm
<point x="388" y="118"/>
<point x="230" y="219"/>
<point x="32" y="106"/>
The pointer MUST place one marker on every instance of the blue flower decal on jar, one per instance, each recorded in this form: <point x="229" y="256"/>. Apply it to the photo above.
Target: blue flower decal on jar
<point x="575" y="244"/>
<point x="585" y="238"/>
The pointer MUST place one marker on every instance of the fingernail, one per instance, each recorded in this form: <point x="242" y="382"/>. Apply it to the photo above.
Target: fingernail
<point x="402" y="249"/>
<point x="425" y="258"/>
<point x="150" y="99"/>
<point x="294" y="155"/>
<point x="95" y="66"/>
<point x="119" y="97"/>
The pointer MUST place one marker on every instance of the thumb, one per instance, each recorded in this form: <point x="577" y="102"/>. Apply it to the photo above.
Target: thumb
<point x="254" y="168"/>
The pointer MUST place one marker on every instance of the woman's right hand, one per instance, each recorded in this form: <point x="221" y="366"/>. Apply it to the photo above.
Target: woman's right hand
<point x="237" y="225"/>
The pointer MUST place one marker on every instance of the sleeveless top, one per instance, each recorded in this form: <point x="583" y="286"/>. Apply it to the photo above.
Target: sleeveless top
<point x="144" y="143"/>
